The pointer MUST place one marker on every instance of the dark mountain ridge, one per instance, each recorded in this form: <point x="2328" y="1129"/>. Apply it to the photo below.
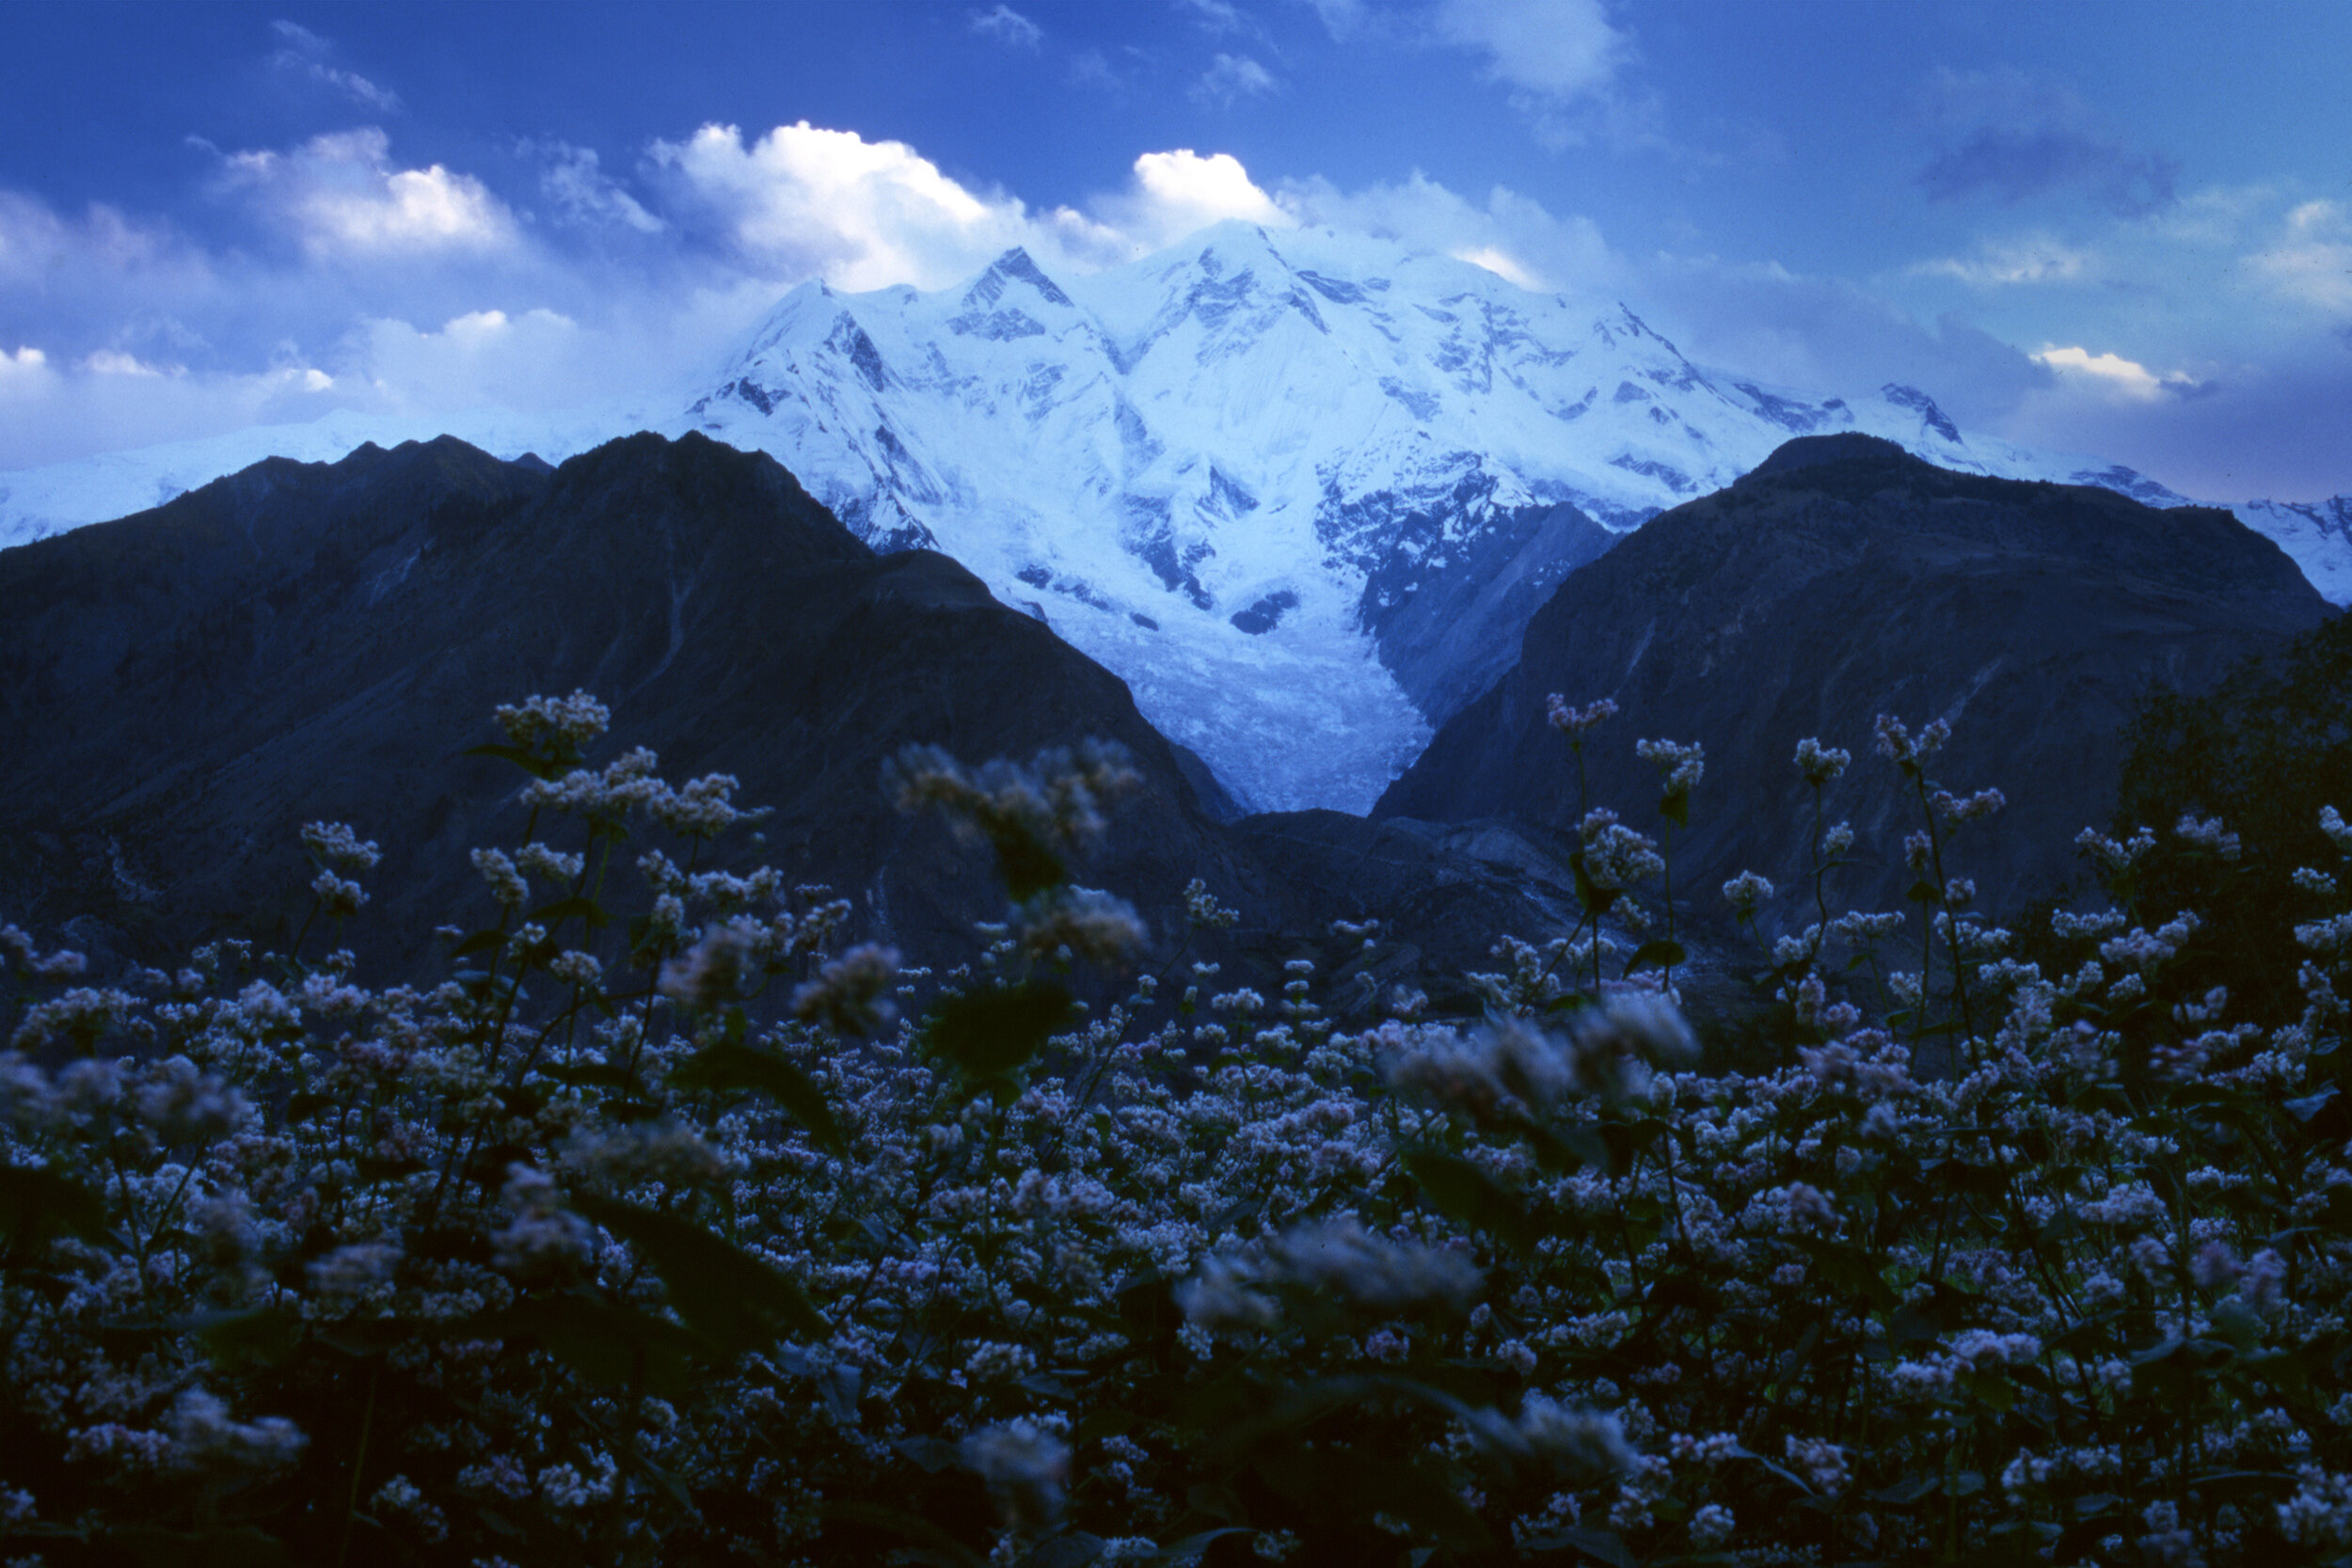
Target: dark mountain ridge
<point x="189" y="684"/>
<point x="1843" y="579"/>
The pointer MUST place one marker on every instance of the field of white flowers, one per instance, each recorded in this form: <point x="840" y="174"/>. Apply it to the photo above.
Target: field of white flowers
<point x="688" y="1237"/>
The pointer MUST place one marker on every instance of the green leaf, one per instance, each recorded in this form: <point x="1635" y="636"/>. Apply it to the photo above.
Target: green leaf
<point x="2237" y="1322"/>
<point x="481" y="942"/>
<point x="1192" y="1546"/>
<point x="1595" y="899"/>
<point x="732" y="1300"/>
<point x="1601" y="1545"/>
<point x="574" y="907"/>
<point x="2310" y="1106"/>
<point x="1658" y="952"/>
<point x="242" y="1547"/>
<point x="37" y="1205"/>
<point x="611" y="1346"/>
<point x="1027" y="867"/>
<point x="1460" y="1191"/>
<point x="1923" y="893"/>
<point x="1905" y="1492"/>
<point x="521" y="756"/>
<point x="730" y="1066"/>
<point x="1674" y="806"/>
<point x="266" y="1335"/>
<point x="990" y="1035"/>
<point x="1992" y="1387"/>
<point x="907" y="1527"/>
<point x="1324" y="1481"/>
<point x="1070" y="1550"/>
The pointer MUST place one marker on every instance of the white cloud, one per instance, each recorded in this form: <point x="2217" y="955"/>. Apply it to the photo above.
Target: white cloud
<point x="2311" y="261"/>
<point x="1502" y="265"/>
<point x="25" y="373"/>
<point x="1181" y="191"/>
<point x="341" y="195"/>
<point x="482" y="359"/>
<point x="2116" y="375"/>
<point x="1342" y="19"/>
<point x="1559" y="49"/>
<point x="1510" y="235"/>
<point x="1007" y="26"/>
<point x="574" y="180"/>
<point x="108" y="361"/>
<point x="305" y="54"/>
<point x="1233" y="76"/>
<point x="2038" y="260"/>
<point x="804" y="203"/>
<point x="1217" y="16"/>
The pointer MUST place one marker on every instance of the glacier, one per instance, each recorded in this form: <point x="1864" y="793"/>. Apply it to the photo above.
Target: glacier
<point x="1300" y="489"/>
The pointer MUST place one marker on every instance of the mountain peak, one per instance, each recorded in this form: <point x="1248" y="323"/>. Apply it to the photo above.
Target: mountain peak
<point x="1845" y="446"/>
<point x="1013" y="266"/>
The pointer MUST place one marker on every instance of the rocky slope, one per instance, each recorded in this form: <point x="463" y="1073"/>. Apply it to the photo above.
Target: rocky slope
<point x="1842" y="579"/>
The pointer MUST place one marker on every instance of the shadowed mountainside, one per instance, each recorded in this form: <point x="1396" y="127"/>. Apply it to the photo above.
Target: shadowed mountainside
<point x="188" y="685"/>
<point x="1842" y="579"/>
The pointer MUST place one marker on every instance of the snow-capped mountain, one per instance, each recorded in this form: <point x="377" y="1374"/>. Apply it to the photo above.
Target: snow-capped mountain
<point x="1230" y="471"/>
<point x="1301" y="490"/>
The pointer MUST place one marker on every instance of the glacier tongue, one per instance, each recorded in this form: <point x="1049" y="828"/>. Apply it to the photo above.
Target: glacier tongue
<point x="1301" y="490"/>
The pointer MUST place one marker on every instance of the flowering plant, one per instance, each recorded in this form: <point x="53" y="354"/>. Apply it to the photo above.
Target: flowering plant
<point x="690" y="1236"/>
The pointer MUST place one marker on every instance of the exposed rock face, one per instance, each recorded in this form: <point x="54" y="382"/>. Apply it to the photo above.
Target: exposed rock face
<point x="1842" y="579"/>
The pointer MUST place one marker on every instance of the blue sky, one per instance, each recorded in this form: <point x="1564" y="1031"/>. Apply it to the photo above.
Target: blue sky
<point x="2120" y="229"/>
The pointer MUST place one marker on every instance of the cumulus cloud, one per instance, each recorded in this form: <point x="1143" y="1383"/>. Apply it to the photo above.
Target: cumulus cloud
<point x="122" y="331"/>
<point x="2118" y="376"/>
<point x="1233" y="76"/>
<point x="1007" y="26"/>
<point x="341" y="195"/>
<point x="2009" y="135"/>
<point x="804" y="203"/>
<point x="1177" y="192"/>
<point x="304" y="53"/>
